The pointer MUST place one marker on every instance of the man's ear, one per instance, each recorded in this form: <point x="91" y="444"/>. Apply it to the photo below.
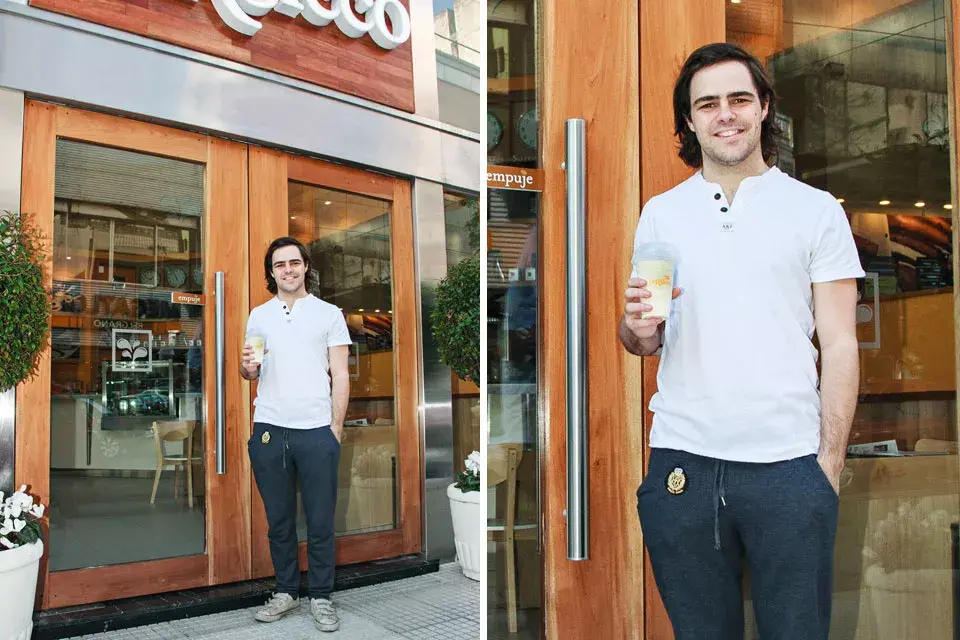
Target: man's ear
<point x="766" y="108"/>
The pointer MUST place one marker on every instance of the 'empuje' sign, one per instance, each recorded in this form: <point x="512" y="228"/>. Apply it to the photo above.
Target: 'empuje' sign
<point x="370" y="17"/>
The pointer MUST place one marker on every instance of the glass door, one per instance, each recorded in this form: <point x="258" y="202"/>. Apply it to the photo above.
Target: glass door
<point x="515" y="559"/>
<point x="357" y="227"/>
<point x="117" y="432"/>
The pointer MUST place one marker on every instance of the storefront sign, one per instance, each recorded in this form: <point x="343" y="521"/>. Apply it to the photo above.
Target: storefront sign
<point x="178" y="297"/>
<point x="514" y="178"/>
<point x="100" y="323"/>
<point x="370" y="17"/>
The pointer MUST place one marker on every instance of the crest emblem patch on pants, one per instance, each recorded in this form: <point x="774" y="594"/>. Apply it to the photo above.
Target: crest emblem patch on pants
<point x="265" y="438"/>
<point x="676" y="482"/>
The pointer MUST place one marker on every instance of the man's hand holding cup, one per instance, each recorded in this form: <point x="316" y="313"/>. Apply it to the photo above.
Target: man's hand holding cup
<point x="639" y="312"/>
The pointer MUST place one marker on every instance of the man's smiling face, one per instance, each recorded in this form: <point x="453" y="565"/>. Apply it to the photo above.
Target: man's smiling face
<point x="288" y="269"/>
<point x="726" y="113"/>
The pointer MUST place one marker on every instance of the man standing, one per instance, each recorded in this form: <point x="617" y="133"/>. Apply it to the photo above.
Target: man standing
<point x="746" y="451"/>
<point x="298" y="426"/>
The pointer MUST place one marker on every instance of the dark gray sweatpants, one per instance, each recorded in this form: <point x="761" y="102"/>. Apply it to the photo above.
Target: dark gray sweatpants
<point x="782" y="516"/>
<point x="312" y="457"/>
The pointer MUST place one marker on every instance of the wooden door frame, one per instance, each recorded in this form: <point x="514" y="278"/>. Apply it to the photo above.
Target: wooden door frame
<point x="270" y="172"/>
<point x="227" y="544"/>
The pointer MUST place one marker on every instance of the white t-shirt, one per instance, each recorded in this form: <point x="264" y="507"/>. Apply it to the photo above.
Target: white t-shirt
<point x="738" y="377"/>
<point x="294" y="388"/>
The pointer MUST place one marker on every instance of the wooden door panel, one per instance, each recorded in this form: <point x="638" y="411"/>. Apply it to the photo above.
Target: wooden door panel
<point x="600" y="597"/>
<point x="228" y="515"/>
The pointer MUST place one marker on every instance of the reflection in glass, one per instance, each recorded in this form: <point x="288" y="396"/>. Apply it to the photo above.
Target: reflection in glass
<point x="348" y="237"/>
<point x="127" y="363"/>
<point x="514" y="591"/>
<point x="458" y="33"/>
<point x="462" y="222"/>
<point x="864" y="102"/>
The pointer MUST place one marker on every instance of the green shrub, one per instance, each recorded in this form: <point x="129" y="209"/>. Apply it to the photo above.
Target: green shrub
<point x="24" y="303"/>
<point x="456" y="319"/>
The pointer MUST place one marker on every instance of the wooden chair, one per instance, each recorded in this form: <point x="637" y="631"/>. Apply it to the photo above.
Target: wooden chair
<point x="169" y="431"/>
<point x="502" y="463"/>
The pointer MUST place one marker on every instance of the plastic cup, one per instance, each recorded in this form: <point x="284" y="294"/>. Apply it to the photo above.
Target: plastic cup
<point x="257" y="343"/>
<point x="656" y="263"/>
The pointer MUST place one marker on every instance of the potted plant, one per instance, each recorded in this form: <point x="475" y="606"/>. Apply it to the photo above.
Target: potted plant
<point x="469" y="532"/>
<point x="21" y="547"/>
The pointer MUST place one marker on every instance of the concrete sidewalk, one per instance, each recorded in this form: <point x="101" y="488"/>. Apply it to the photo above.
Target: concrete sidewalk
<point x="438" y="606"/>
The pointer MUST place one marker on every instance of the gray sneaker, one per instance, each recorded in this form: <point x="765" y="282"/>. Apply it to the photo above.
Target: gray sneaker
<point x="324" y="614"/>
<point x="277" y="606"/>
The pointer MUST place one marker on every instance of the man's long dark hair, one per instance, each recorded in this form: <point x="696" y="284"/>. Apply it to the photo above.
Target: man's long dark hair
<point x="707" y="56"/>
<point x="279" y="243"/>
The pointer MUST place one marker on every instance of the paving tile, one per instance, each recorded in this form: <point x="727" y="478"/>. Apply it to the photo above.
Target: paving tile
<point x="442" y="605"/>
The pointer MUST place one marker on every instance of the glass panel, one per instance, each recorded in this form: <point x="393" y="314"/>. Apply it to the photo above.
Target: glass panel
<point x="126" y="458"/>
<point x="458" y="29"/>
<point x="348" y="238"/>
<point x="513" y="51"/>
<point x="462" y="220"/>
<point x="864" y="95"/>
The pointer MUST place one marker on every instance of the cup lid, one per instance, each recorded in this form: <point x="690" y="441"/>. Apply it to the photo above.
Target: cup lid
<point x="654" y="251"/>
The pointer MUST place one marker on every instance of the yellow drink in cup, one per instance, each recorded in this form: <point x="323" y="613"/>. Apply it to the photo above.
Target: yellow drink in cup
<point x="657" y="264"/>
<point x="257" y="343"/>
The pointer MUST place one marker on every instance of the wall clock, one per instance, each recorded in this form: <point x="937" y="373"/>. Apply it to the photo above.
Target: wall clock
<point x="527" y="128"/>
<point x="176" y="276"/>
<point x="494" y="131"/>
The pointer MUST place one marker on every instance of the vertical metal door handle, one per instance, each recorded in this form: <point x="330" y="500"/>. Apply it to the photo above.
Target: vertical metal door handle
<point x="221" y="364"/>
<point x="578" y="530"/>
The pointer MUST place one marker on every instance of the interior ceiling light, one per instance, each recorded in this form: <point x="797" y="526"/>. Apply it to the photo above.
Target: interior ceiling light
<point x="293" y="217"/>
<point x="884" y="203"/>
<point x="919" y="204"/>
<point x="328" y="202"/>
<point x="841" y="200"/>
<point x="948" y="206"/>
<point x="735" y="1"/>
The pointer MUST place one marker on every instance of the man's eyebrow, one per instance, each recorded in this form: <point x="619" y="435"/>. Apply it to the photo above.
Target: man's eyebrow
<point x="735" y="94"/>
<point x="280" y="262"/>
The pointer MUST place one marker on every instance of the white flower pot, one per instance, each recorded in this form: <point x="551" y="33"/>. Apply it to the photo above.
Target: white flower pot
<point x="469" y="530"/>
<point x="18" y="588"/>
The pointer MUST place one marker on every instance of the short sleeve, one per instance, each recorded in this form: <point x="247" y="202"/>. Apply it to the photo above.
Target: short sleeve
<point x="645" y="232"/>
<point x="339" y="334"/>
<point x="834" y="255"/>
<point x="253" y="326"/>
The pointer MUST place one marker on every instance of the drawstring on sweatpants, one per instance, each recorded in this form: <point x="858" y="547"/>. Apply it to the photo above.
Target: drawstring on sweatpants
<point x="285" y="447"/>
<point x="718" y="497"/>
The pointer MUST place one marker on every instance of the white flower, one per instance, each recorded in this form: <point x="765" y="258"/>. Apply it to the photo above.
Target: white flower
<point x="6" y="543"/>
<point x="473" y="463"/>
<point x="6" y="527"/>
<point x="37" y="511"/>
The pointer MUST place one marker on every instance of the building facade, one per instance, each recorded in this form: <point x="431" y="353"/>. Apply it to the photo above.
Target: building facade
<point x="159" y="147"/>
<point x="867" y="103"/>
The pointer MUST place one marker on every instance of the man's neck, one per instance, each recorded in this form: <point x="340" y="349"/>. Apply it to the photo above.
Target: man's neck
<point x="729" y="177"/>
<point x="291" y="298"/>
